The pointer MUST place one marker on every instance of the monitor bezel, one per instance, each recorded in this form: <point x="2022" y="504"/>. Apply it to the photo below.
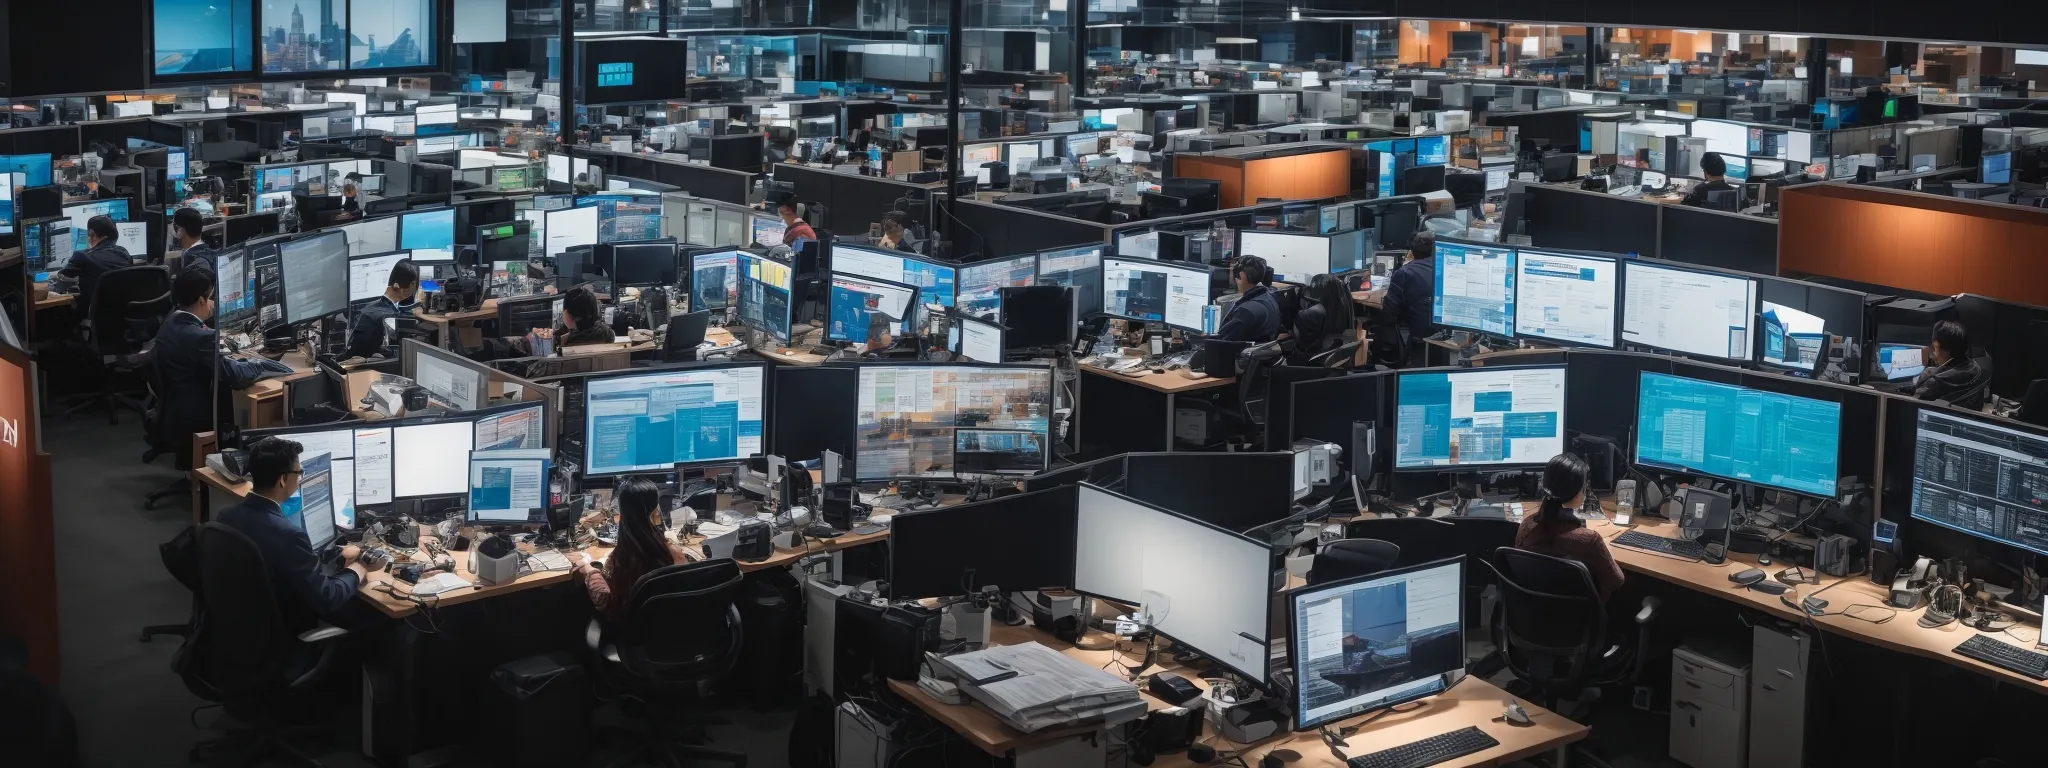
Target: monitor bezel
<point x="766" y="409"/>
<point x="852" y="460"/>
<point x="1294" y="659"/>
<point x="1513" y="290"/>
<point x="1635" y="453"/>
<point x="1620" y="293"/>
<point x="1394" y="456"/>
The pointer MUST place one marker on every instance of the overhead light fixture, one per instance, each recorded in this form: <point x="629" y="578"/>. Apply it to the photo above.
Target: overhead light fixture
<point x="1112" y="25"/>
<point x="1349" y="18"/>
<point x="1235" y="40"/>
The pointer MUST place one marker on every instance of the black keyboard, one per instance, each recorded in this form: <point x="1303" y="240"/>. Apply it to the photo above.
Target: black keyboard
<point x="1430" y="751"/>
<point x="1686" y="548"/>
<point x="2006" y="655"/>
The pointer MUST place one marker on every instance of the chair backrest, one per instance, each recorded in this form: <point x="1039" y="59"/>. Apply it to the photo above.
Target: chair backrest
<point x="685" y="332"/>
<point x="110" y="312"/>
<point x="243" y="639"/>
<point x="1551" y="620"/>
<point x="1341" y="358"/>
<point x="1349" y="558"/>
<point x="2034" y="406"/>
<point x="1479" y="537"/>
<point x="683" y="622"/>
<point x="1421" y="539"/>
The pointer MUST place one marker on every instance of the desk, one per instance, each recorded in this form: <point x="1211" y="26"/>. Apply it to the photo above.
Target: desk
<point x="262" y="405"/>
<point x="1124" y="414"/>
<point x="1373" y="300"/>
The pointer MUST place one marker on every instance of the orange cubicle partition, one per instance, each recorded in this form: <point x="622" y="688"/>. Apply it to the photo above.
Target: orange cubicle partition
<point x="1245" y="180"/>
<point x="1928" y="243"/>
<point x="28" y="561"/>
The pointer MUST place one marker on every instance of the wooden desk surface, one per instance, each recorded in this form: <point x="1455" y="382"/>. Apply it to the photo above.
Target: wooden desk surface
<point x="1370" y="299"/>
<point x="275" y="387"/>
<point x="51" y="300"/>
<point x="1170" y="382"/>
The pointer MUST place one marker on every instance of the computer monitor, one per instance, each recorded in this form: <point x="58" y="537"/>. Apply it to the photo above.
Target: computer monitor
<point x="520" y="316"/>
<point x="1475" y="288"/>
<point x="1449" y="420"/>
<point x="980" y="281"/>
<point x="434" y="458"/>
<point x="35" y="169"/>
<point x="1432" y="150"/>
<point x="429" y="234"/>
<point x="1738" y="168"/>
<point x="133" y="237"/>
<point x="646" y="422"/>
<point x="1566" y="298"/>
<point x="1995" y="168"/>
<point x="370" y="184"/>
<point x="1688" y="311"/>
<point x="314" y="272"/>
<point x="1375" y="641"/>
<point x="1416" y="181"/>
<point x="1737" y="433"/>
<point x="853" y="302"/>
<point x="234" y="287"/>
<point x="1900" y="362"/>
<point x="513" y="427"/>
<point x="1350" y="251"/>
<point x="1014" y="543"/>
<point x="1791" y="338"/>
<point x="1981" y="478"/>
<point x="451" y="379"/>
<point x="714" y="280"/>
<point x="369" y="274"/>
<point x="6" y="204"/>
<point x="1005" y="452"/>
<point x="1037" y="317"/>
<point x="315" y="515"/>
<point x="935" y="282"/>
<point x="379" y="235"/>
<point x="906" y="414"/>
<point x="81" y="213"/>
<point x="570" y="227"/>
<point x="1293" y="256"/>
<point x="980" y="341"/>
<point x="1153" y="291"/>
<point x="767" y="231"/>
<point x="1236" y="491"/>
<point x="1079" y="268"/>
<point x="509" y="487"/>
<point x="765" y="287"/>
<point x="644" y="263"/>
<point x="1206" y="587"/>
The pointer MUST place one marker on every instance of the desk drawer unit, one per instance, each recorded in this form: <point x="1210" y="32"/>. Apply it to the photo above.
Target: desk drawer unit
<point x="1709" y="712"/>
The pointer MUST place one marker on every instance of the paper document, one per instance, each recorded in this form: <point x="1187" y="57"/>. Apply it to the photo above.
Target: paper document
<point x="1047" y="690"/>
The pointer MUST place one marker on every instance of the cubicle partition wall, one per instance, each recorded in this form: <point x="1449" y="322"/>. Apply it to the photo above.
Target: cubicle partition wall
<point x="1293" y="171"/>
<point x="852" y="201"/>
<point x="1925" y="243"/>
<point x="1575" y="219"/>
<point x="28" y="544"/>
<point x="1716" y="238"/>
<point x="53" y="140"/>
<point x="116" y="133"/>
<point x="2013" y="335"/>
<point x="993" y="229"/>
<point x="722" y="184"/>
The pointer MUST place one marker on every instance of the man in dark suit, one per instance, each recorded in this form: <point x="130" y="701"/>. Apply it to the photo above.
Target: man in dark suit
<point x="366" y="336"/>
<point x="189" y="228"/>
<point x="305" y="591"/>
<point x="1407" y="308"/>
<point x="103" y="254"/>
<point x="188" y="360"/>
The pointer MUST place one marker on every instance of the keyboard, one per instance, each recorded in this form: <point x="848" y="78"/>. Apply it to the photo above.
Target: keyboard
<point x="1686" y="548"/>
<point x="2005" y="655"/>
<point x="1430" y="751"/>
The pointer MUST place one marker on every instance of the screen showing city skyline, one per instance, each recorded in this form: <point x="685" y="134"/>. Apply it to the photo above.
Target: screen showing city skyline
<point x="320" y="35"/>
<point x="390" y="33"/>
<point x="199" y="36"/>
<point x="302" y="35"/>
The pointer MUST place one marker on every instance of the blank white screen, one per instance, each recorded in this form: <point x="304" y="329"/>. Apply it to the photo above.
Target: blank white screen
<point x="571" y="227"/>
<point x="1294" y="258"/>
<point x="432" y="459"/>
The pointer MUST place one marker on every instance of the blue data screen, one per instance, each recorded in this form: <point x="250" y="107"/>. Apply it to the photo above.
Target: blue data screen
<point x="1433" y="150"/>
<point x="428" y="231"/>
<point x="654" y="421"/>
<point x="1479" y="417"/>
<point x="35" y="168"/>
<point x="1737" y="433"/>
<point x="1475" y="288"/>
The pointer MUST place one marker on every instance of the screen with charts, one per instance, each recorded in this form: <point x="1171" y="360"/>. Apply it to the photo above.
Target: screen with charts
<point x="906" y="414"/>
<point x="998" y="452"/>
<point x="1900" y="362"/>
<point x="430" y="234"/>
<point x="1688" y="312"/>
<point x="1479" y="417"/>
<point x="979" y="341"/>
<point x="856" y="304"/>
<point x="1078" y="268"/>
<point x="1155" y="292"/>
<point x="369" y="274"/>
<point x="232" y="287"/>
<point x="315" y="274"/>
<point x="1791" y="338"/>
<point x="1475" y="288"/>
<point x="935" y="282"/>
<point x="714" y="280"/>
<point x="311" y="508"/>
<point x="622" y="218"/>
<point x="508" y="486"/>
<point x="767" y="231"/>
<point x="1565" y="298"/>
<point x="1375" y="642"/>
<point x="514" y="428"/>
<point x="764" y="289"/>
<point x="980" y="281"/>
<point x="1982" y="479"/>
<point x="1737" y="433"/>
<point x="654" y="421"/>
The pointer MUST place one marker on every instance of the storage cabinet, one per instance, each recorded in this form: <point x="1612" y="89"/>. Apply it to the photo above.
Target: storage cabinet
<point x="1777" y="696"/>
<point x="1709" y="708"/>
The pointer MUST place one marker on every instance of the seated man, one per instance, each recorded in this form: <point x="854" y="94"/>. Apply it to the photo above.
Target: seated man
<point x="1255" y="318"/>
<point x="1951" y="375"/>
<point x="188" y="227"/>
<point x="305" y="591"/>
<point x="367" y="336"/>
<point x="103" y="253"/>
<point x="188" y="360"/>
<point x="1406" y="309"/>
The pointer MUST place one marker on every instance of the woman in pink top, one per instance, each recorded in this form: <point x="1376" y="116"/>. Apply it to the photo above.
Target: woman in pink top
<point x="1554" y="531"/>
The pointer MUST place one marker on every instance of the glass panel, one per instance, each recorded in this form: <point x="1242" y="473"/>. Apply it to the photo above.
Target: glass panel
<point x="390" y="33"/>
<point x="195" y="36"/>
<point x="303" y="35"/>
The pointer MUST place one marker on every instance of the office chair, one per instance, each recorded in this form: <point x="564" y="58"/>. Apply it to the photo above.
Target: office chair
<point x="1421" y="539"/>
<point x="127" y="306"/>
<point x="241" y="655"/>
<point x="1552" y="631"/>
<point x="1348" y="558"/>
<point x="161" y="439"/>
<point x="672" y="644"/>
<point x="2034" y="405"/>
<point x="1343" y="358"/>
<point x="684" y="333"/>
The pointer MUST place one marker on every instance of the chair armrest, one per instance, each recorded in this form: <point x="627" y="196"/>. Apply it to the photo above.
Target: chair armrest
<point x="1651" y="605"/>
<point x="321" y="633"/>
<point x="593" y="635"/>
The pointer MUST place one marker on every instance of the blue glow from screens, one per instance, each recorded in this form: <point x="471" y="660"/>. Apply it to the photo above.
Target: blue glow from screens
<point x="428" y="231"/>
<point x="1479" y="417"/>
<point x="387" y="34"/>
<point x="612" y="74"/>
<point x="1997" y="168"/>
<point x="1475" y="288"/>
<point x="1737" y="433"/>
<point x="1433" y="150"/>
<point x="36" y="168"/>
<point x="200" y="36"/>
<point x="656" y="420"/>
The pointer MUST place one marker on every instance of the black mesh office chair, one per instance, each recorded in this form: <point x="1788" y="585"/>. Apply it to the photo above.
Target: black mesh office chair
<point x="127" y="306"/>
<point x="1349" y="558"/>
<point x="685" y="332"/>
<point x="1343" y="358"/>
<point x="1551" y="629"/>
<point x="682" y="632"/>
<point x="241" y="654"/>
<point x="1421" y="539"/>
<point x="163" y="439"/>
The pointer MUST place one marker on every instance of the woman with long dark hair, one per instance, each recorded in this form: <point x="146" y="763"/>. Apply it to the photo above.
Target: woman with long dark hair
<point x="1555" y="531"/>
<point x="642" y="548"/>
<point x="1325" y="325"/>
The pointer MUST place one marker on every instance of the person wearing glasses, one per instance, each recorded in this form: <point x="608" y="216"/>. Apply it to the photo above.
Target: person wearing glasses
<point x="306" y="593"/>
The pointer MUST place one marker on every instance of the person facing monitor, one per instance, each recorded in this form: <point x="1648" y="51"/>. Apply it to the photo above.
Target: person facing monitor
<point x="366" y="335"/>
<point x="1407" y="304"/>
<point x="642" y="548"/>
<point x="1715" y="171"/>
<point x="1952" y="376"/>
<point x="1325" y="325"/>
<point x="102" y="255"/>
<point x="895" y="226"/>
<point x="795" y="230"/>
<point x="188" y="361"/>
<point x="1255" y="317"/>
<point x="189" y="228"/>
<point x="305" y="591"/>
<point x="1555" y="531"/>
<point x="581" y="322"/>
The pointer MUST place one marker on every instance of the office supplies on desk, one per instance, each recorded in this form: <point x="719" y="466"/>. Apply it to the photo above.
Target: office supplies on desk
<point x="1046" y="690"/>
<point x="1429" y="751"/>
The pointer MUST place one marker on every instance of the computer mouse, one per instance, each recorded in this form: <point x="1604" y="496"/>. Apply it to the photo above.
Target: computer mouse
<point x="1516" y="715"/>
<point x="1763" y="559"/>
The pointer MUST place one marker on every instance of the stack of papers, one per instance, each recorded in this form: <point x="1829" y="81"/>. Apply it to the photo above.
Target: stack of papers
<point x="1031" y="687"/>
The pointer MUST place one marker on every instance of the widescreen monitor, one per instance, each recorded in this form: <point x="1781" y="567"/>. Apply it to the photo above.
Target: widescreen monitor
<point x="1014" y="543"/>
<point x="461" y="384"/>
<point x="980" y="341"/>
<point x="1446" y="420"/>
<point x="81" y="213"/>
<point x="314" y="271"/>
<point x="1568" y="299"/>
<point x="1688" y="311"/>
<point x="980" y="281"/>
<point x="714" y="280"/>
<point x="1475" y="288"/>
<point x="429" y="234"/>
<point x="1791" y="338"/>
<point x="1900" y="362"/>
<point x="512" y="427"/>
<point x="935" y="282"/>
<point x="1981" y="478"/>
<point x="1079" y="268"/>
<point x="1294" y="257"/>
<point x="1138" y="245"/>
<point x="378" y="235"/>
<point x="853" y="303"/>
<point x="644" y="264"/>
<point x="35" y="169"/>
<point x="767" y="231"/>
<point x="432" y="459"/>
<point x="1736" y="433"/>
<point x="1152" y="291"/>
<point x="1206" y="587"/>
<point x="644" y="422"/>
<point x="1375" y="641"/>
<point x="509" y="487"/>
<point x="370" y="273"/>
<point x="570" y="227"/>
<point x="765" y="286"/>
<point x="905" y="415"/>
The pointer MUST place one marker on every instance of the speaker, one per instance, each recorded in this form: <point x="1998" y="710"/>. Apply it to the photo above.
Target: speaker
<point x="1884" y="565"/>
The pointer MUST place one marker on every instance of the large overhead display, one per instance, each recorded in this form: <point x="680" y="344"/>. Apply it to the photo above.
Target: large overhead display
<point x="626" y="69"/>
